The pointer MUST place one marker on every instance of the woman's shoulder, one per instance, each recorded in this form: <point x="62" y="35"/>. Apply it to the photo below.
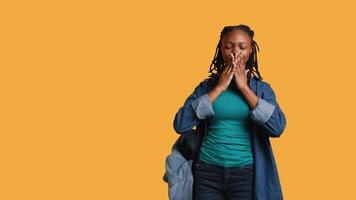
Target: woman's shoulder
<point x="204" y="85"/>
<point x="262" y="84"/>
<point x="266" y="87"/>
<point x="205" y="81"/>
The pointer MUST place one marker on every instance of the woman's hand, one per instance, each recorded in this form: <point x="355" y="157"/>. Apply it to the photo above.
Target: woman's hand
<point x="226" y="76"/>
<point x="240" y="73"/>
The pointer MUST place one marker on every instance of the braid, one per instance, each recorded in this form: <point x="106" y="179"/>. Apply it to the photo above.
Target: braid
<point x="217" y="65"/>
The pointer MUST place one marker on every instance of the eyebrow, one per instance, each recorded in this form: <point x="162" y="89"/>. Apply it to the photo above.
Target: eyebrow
<point x="237" y="42"/>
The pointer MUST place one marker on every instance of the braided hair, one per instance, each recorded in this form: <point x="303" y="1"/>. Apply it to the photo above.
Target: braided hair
<point x="218" y="63"/>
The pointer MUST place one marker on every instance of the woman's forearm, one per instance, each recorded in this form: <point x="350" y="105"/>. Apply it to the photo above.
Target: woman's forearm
<point x="214" y="93"/>
<point x="250" y="97"/>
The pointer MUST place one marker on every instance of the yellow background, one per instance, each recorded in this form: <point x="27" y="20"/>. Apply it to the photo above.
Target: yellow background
<point x="89" y="90"/>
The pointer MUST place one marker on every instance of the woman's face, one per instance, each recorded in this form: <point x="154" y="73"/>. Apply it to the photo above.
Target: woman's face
<point x="234" y="42"/>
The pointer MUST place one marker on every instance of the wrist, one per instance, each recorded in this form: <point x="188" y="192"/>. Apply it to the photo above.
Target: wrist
<point x="244" y="89"/>
<point x="218" y="89"/>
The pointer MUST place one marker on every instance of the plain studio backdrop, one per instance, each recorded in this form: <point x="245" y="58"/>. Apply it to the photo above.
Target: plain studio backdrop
<point x="89" y="90"/>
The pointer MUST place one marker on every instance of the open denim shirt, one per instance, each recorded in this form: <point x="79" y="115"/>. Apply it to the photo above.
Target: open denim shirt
<point x="268" y="121"/>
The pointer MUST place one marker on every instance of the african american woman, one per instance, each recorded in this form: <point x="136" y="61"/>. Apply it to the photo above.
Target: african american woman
<point x="240" y="113"/>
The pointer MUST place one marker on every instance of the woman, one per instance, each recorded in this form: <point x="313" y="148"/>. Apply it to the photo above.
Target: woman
<point x="240" y="113"/>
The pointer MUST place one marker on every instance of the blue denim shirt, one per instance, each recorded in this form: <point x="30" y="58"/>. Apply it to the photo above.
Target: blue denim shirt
<point x="268" y="121"/>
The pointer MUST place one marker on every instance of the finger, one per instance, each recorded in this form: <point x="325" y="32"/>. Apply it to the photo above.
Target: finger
<point x="227" y="64"/>
<point x="238" y="63"/>
<point x="233" y="63"/>
<point x="226" y="69"/>
<point x="232" y="67"/>
<point x="231" y="70"/>
<point x="236" y="60"/>
<point x="241" y="58"/>
<point x="231" y="75"/>
<point x="243" y="66"/>
<point x="232" y="57"/>
<point x="241" y="63"/>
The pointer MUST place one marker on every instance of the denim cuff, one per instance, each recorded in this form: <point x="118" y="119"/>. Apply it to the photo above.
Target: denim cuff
<point x="262" y="112"/>
<point x="202" y="107"/>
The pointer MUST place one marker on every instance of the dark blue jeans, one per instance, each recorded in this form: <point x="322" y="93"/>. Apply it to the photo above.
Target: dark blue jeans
<point x="212" y="182"/>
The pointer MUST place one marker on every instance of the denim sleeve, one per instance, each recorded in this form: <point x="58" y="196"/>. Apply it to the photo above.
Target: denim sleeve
<point x="268" y="114"/>
<point x="262" y="112"/>
<point x="187" y="117"/>
<point x="202" y="107"/>
<point x="179" y="176"/>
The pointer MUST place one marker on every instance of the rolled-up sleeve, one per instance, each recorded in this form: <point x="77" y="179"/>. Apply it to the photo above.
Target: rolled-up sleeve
<point x="203" y="107"/>
<point x="262" y="112"/>
<point x="268" y="114"/>
<point x="186" y="118"/>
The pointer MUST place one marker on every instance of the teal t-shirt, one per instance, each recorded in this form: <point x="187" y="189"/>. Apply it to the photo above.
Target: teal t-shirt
<point x="228" y="139"/>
